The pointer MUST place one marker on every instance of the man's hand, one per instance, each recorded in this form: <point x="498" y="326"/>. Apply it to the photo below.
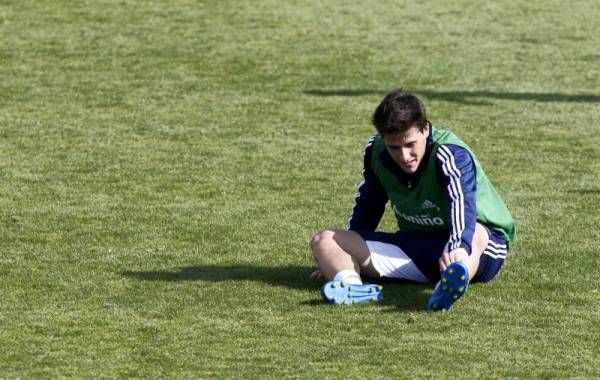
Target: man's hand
<point x="458" y="254"/>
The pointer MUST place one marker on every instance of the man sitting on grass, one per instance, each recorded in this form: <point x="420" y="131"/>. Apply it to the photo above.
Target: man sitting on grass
<point x="453" y="226"/>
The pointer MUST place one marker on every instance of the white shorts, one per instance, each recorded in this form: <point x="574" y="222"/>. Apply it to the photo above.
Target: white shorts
<point x="391" y="261"/>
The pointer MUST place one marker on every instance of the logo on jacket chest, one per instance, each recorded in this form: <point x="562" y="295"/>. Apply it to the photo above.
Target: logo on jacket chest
<point x="428" y="205"/>
<point x="426" y="215"/>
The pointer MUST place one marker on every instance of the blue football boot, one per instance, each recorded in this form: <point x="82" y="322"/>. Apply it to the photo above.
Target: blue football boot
<point x="454" y="283"/>
<point x="339" y="293"/>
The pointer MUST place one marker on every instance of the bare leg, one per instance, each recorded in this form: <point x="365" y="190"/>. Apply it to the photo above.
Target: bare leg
<point x="480" y="242"/>
<point x="337" y="250"/>
<point x="453" y="283"/>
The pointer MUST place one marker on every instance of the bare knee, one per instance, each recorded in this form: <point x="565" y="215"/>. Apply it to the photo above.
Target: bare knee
<point x="320" y="243"/>
<point x="480" y="239"/>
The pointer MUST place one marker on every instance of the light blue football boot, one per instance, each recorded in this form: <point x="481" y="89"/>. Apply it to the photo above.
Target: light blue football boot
<point x="454" y="283"/>
<point x="339" y="293"/>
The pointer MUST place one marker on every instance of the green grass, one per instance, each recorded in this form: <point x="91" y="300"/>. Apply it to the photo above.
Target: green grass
<point x="163" y="166"/>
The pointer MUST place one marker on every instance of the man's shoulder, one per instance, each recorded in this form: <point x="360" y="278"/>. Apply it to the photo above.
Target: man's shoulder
<point x="445" y="136"/>
<point x="375" y="138"/>
<point x="453" y="154"/>
<point x="375" y="144"/>
<point x="449" y="143"/>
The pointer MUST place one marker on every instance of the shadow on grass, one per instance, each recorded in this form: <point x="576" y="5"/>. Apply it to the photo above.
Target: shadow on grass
<point x="470" y="97"/>
<point x="406" y="297"/>
<point x="295" y="277"/>
<point x="585" y="191"/>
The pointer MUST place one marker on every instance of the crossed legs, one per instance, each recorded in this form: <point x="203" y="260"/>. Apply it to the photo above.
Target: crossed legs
<point x="339" y="250"/>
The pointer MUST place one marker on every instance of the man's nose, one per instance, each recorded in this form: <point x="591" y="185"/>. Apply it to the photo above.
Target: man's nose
<point x="406" y="154"/>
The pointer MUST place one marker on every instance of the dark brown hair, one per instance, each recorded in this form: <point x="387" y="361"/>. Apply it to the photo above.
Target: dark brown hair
<point x="398" y="112"/>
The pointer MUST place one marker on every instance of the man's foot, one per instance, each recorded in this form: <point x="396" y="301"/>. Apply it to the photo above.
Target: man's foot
<point x="454" y="283"/>
<point x="338" y="293"/>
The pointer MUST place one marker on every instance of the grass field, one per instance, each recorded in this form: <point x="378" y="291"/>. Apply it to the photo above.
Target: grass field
<point x="163" y="165"/>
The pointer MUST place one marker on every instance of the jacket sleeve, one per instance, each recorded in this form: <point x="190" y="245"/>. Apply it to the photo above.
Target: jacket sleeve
<point x="371" y="198"/>
<point x="456" y="172"/>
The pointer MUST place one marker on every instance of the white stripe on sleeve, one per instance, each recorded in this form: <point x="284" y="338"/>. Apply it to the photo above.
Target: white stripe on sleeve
<point x="457" y="209"/>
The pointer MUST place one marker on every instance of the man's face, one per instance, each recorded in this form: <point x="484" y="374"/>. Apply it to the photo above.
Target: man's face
<point x="408" y="148"/>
